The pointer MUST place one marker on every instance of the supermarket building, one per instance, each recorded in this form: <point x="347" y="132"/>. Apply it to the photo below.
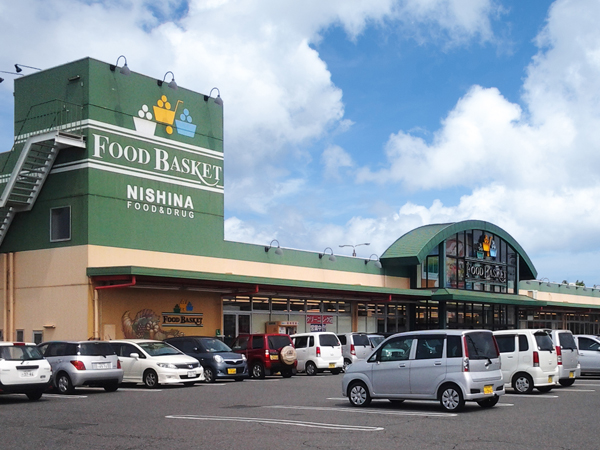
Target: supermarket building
<point x="112" y="226"/>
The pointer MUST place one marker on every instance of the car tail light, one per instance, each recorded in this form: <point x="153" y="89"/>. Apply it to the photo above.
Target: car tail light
<point x="559" y="355"/>
<point x="352" y="350"/>
<point x="318" y="352"/>
<point x="79" y="365"/>
<point x="465" y="366"/>
<point x="536" y="359"/>
<point x="18" y="343"/>
<point x="118" y="363"/>
<point x="496" y="344"/>
<point x="267" y="353"/>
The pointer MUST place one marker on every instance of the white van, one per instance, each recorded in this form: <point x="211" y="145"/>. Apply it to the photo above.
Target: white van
<point x="318" y="352"/>
<point x="528" y="360"/>
<point x="450" y="366"/>
<point x="567" y="355"/>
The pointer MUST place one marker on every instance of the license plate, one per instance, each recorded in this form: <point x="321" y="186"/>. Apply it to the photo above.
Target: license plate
<point x="332" y="365"/>
<point x="571" y="374"/>
<point x="231" y="371"/>
<point x="192" y="374"/>
<point x="274" y="357"/>
<point x="550" y="379"/>
<point x="489" y="389"/>
<point x="102" y="366"/>
<point x="26" y="373"/>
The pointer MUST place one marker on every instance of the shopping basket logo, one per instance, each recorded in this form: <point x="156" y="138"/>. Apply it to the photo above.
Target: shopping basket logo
<point x="163" y="114"/>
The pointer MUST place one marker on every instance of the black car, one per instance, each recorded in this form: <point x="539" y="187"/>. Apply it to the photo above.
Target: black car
<point x="217" y="359"/>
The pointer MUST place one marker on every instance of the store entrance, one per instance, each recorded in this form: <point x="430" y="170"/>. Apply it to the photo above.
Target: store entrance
<point x="234" y="324"/>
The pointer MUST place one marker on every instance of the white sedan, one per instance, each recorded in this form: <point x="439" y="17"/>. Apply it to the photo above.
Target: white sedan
<point x="155" y="362"/>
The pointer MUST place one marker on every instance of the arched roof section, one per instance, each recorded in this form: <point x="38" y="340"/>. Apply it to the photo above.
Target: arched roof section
<point x="413" y="247"/>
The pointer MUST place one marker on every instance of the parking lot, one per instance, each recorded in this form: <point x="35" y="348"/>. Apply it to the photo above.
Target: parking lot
<point x="299" y="412"/>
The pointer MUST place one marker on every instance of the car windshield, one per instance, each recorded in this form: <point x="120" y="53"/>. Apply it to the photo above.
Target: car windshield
<point x="20" y="353"/>
<point x="376" y="340"/>
<point x="159" y="349"/>
<point x="567" y="341"/>
<point x="480" y="345"/>
<point x="96" y="349"/>
<point x="362" y="339"/>
<point x="215" y="345"/>
<point x="544" y="341"/>
<point x="277" y="342"/>
<point x="330" y="340"/>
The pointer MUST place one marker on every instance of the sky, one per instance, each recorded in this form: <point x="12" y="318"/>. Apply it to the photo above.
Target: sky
<point x="350" y="122"/>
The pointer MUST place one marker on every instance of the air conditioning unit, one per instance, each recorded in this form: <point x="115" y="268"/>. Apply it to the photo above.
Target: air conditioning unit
<point x="532" y="294"/>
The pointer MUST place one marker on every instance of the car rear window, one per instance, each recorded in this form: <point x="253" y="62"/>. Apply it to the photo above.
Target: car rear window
<point x="480" y="345"/>
<point x="277" y="342"/>
<point x="544" y="341"/>
<point x="20" y="353"/>
<point x="96" y="349"/>
<point x="567" y="341"/>
<point x="361" y="339"/>
<point x="331" y="340"/>
<point x="214" y="345"/>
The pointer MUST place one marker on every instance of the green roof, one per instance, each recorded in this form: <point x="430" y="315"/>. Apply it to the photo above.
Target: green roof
<point x="413" y="247"/>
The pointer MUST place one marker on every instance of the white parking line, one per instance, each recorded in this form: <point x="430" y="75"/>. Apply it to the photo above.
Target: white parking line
<point x="66" y="397"/>
<point x="530" y="396"/>
<point x="577" y="390"/>
<point x="333" y="426"/>
<point x="366" y="411"/>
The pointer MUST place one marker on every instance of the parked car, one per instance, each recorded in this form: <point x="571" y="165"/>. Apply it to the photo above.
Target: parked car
<point x="23" y="370"/>
<point x="567" y="356"/>
<point x="528" y="360"/>
<point x="355" y="346"/>
<point x="451" y="366"/>
<point x="155" y="362"/>
<point x="218" y="360"/>
<point x="267" y="354"/>
<point x="82" y="363"/>
<point x="589" y="354"/>
<point x="318" y="351"/>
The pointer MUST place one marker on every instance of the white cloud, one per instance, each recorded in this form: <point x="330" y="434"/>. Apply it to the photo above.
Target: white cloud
<point x="335" y="158"/>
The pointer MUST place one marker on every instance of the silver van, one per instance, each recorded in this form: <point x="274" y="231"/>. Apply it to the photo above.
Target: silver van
<point x="355" y="346"/>
<point x="567" y="355"/>
<point x="450" y="366"/>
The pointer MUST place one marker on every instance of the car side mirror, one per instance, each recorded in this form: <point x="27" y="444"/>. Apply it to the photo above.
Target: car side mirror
<point x="134" y="355"/>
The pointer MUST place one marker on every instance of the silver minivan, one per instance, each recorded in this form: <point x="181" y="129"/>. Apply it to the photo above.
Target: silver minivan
<point x="567" y="356"/>
<point x="450" y="366"/>
<point x="355" y="346"/>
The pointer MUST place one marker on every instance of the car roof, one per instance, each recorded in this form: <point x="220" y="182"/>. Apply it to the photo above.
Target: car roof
<point x="135" y="341"/>
<point x="18" y="344"/>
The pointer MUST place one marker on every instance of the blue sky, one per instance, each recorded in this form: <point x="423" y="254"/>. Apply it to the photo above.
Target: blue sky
<point x="357" y="121"/>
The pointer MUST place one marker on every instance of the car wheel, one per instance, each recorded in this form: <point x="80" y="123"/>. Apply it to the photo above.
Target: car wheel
<point x="258" y="371"/>
<point x="567" y="382"/>
<point x="358" y="394"/>
<point x="545" y="388"/>
<point x="209" y="375"/>
<point x="150" y="379"/>
<point x="488" y="402"/>
<point x="523" y="383"/>
<point x="451" y="398"/>
<point x="347" y="362"/>
<point x="63" y="384"/>
<point x="336" y="371"/>
<point x="287" y="373"/>
<point x="310" y="368"/>
<point x="35" y="395"/>
<point x="112" y="387"/>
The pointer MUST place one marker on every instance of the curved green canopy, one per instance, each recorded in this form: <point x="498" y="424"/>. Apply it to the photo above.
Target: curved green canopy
<point x="413" y="247"/>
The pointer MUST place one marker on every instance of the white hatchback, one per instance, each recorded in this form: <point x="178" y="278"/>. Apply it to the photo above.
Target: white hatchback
<point x="23" y="370"/>
<point x="318" y="352"/>
<point x="155" y="362"/>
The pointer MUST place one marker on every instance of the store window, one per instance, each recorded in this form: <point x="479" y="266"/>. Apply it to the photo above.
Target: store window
<point x="38" y="337"/>
<point x="60" y="224"/>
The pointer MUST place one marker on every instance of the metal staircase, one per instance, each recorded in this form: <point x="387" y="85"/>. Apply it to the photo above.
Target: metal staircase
<point x="30" y="173"/>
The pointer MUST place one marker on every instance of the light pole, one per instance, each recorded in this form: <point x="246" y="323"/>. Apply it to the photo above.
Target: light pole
<point x="354" y="247"/>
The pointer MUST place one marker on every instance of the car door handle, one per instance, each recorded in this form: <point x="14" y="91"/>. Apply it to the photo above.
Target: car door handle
<point x="437" y="363"/>
<point x="402" y="365"/>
